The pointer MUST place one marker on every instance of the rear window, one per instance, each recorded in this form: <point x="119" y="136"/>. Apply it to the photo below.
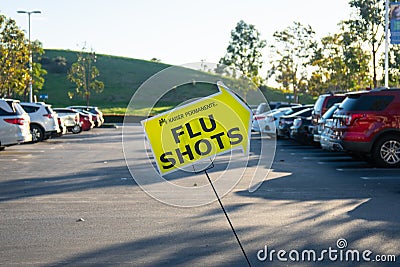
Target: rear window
<point x="318" y="107"/>
<point x="14" y="106"/>
<point x="332" y="101"/>
<point x="64" y="111"/>
<point x="30" y="109"/>
<point x="366" y="102"/>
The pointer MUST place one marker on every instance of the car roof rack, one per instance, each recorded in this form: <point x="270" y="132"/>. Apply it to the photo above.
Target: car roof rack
<point x="381" y="88"/>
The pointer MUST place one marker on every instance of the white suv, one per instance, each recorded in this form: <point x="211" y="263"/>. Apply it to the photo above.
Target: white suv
<point x="44" y="121"/>
<point x="14" y="123"/>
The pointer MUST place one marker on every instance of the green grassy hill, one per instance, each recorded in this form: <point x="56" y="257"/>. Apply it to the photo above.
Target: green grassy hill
<point x="121" y="76"/>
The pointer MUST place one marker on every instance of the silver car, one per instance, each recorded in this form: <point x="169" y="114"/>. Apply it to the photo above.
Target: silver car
<point x="14" y="123"/>
<point x="44" y="121"/>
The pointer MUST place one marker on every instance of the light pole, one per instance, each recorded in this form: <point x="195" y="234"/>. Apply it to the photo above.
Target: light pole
<point x="30" y="50"/>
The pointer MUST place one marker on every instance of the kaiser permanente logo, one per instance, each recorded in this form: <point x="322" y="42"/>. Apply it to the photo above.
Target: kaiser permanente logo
<point x="340" y="253"/>
<point x="188" y="113"/>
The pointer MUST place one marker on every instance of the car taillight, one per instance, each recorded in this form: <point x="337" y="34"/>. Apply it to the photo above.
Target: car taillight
<point x="19" y="121"/>
<point x="258" y="117"/>
<point x="48" y="115"/>
<point x="77" y="118"/>
<point x="350" y="119"/>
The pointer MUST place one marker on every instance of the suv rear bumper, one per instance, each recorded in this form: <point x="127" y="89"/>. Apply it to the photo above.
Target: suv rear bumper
<point x="357" y="146"/>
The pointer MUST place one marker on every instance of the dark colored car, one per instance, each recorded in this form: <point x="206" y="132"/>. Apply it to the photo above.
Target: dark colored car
<point x="285" y="122"/>
<point x="301" y="131"/>
<point x="368" y="123"/>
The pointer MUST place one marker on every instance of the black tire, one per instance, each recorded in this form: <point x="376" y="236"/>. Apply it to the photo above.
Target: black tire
<point x="37" y="133"/>
<point x="76" y="129"/>
<point x="386" y="151"/>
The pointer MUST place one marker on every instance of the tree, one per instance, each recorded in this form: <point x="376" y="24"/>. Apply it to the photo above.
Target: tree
<point x="293" y="51"/>
<point x="14" y="61"/>
<point x="244" y="51"/>
<point x="341" y="64"/>
<point x="369" y="27"/>
<point x="394" y="66"/>
<point x="83" y="74"/>
<point x="14" y="58"/>
<point x="38" y="72"/>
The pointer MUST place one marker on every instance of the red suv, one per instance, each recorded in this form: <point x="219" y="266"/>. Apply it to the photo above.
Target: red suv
<point x="369" y="123"/>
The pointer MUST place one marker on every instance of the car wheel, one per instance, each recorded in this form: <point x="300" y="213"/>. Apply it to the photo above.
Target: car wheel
<point x="77" y="129"/>
<point x="386" y="152"/>
<point x="37" y="133"/>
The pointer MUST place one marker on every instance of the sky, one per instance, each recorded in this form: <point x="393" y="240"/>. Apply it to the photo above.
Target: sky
<point x="175" y="31"/>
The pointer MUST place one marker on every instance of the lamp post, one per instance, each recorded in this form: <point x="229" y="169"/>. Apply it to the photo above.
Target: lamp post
<point x="387" y="43"/>
<point x="30" y="50"/>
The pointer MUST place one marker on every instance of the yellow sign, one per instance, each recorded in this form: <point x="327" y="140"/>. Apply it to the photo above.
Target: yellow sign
<point x="199" y="130"/>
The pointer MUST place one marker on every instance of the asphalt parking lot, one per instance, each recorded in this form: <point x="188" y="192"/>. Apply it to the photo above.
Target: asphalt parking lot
<point x="71" y="201"/>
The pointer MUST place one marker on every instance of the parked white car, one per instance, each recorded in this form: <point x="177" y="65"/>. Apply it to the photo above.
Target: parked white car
<point x="97" y="115"/>
<point x="71" y="119"/>
<point x="44" y="121"/>
<point x="264" y="122"/>
<point x="268" y="122"/>
<point x="14" y="123"/>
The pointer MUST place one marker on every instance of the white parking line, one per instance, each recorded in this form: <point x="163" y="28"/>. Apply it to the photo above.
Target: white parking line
<point x="328" y="158"/>
<point x="341" y="162"/>
<point x="366" y="169"/>
<point x="296" y="150"/>
<point x="380" y="178"/>
<point x="318" y="153"/>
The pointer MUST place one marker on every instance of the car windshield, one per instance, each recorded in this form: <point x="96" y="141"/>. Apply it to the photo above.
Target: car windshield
<point x="334" y="100"/>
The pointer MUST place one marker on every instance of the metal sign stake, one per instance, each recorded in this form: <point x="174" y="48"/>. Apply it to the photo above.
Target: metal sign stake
<point x="226" y="215"/>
